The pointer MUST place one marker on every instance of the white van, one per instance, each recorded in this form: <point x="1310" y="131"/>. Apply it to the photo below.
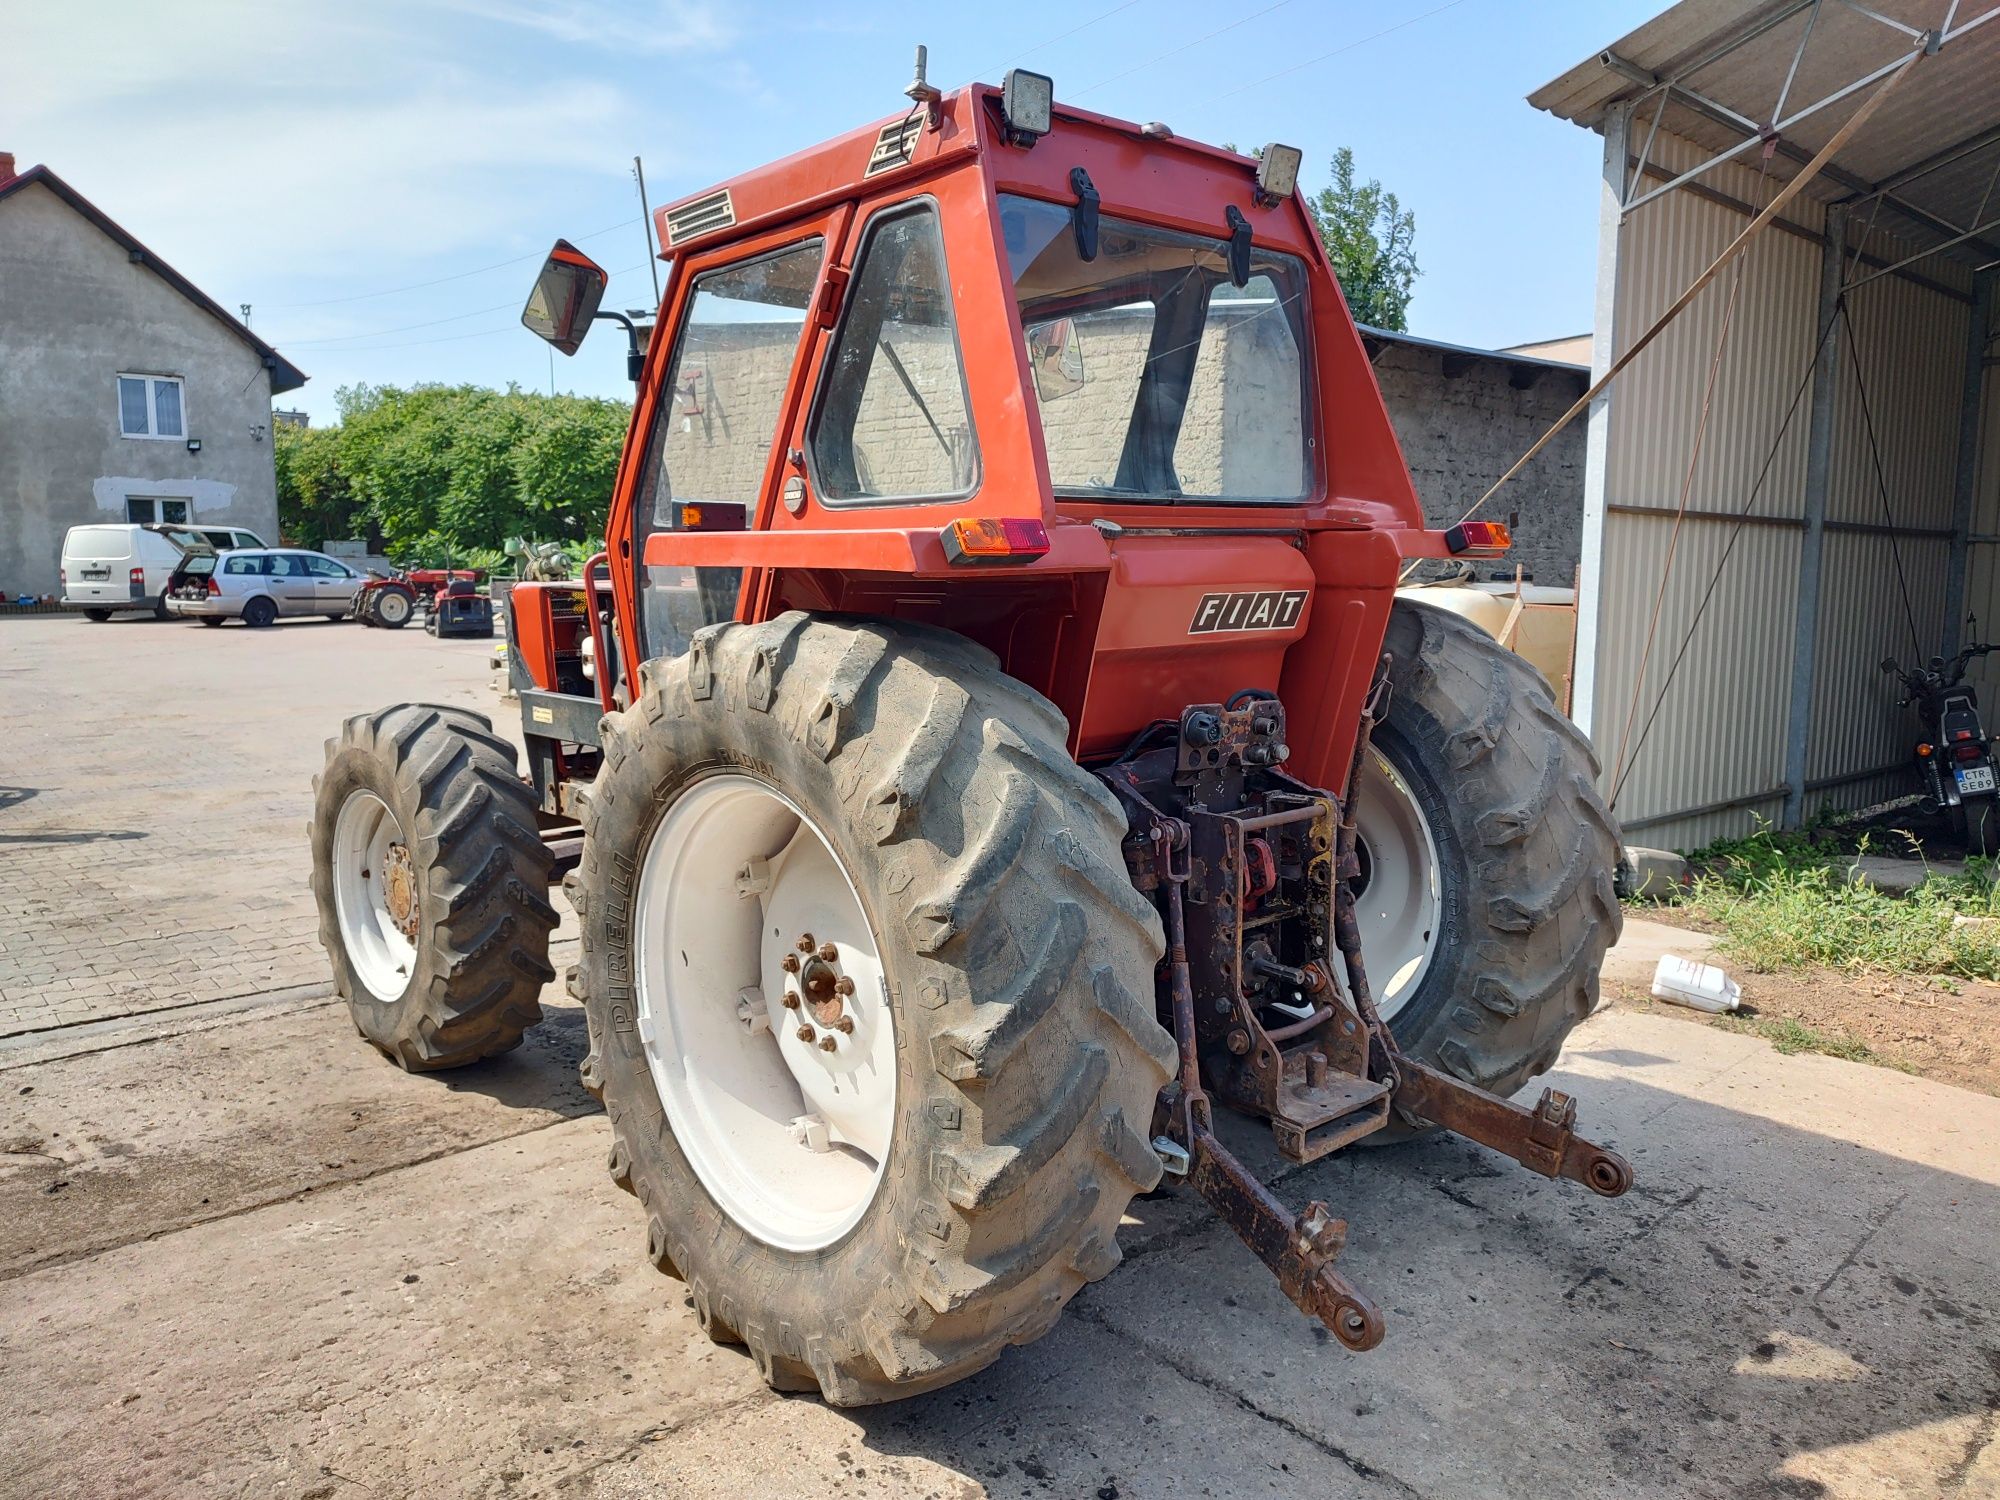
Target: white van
<point x="111" y="567"/>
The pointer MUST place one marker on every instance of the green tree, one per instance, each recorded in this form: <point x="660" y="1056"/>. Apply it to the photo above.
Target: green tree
<point x="315" y="501"/>
<point x="437" y="470"/>
<point x="565" y="464"/>
<point x="1370" y="238"/>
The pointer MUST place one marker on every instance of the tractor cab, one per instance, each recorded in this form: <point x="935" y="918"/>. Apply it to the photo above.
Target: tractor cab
<point x="995" y="363"/>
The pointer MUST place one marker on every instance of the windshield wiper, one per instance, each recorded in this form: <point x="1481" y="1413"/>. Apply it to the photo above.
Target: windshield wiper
<point x="915" y="395"/>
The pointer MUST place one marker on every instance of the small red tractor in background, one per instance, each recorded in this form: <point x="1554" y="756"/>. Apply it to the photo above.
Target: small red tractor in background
<point x="390" y="599"/>
<point x="1001" y="744"/>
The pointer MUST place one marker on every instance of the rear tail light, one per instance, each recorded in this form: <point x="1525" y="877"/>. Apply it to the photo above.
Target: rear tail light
<point x="1969" y="752"/>
<point x="995" y="541"/>
<point x="214" y="588"/>
<point x="1480" y="538"/>
<point x="138" y="576"/>
<point x="62" y="578"/>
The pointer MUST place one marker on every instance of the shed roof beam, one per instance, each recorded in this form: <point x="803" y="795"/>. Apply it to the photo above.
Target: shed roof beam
<point x="1929" y="164"/>
<point x="1907" y="260"/>
<point x="1721" y="114"/>
<point x="1799" y="231"/>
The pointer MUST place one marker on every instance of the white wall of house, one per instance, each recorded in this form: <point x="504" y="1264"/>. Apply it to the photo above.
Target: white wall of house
<point x="76" y="311"/>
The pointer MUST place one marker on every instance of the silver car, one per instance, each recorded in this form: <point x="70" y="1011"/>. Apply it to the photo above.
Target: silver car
<point x="259" y="585"/>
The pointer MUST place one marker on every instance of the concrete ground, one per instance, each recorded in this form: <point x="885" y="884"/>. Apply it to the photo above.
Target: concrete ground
<point x="242" y="1256"/>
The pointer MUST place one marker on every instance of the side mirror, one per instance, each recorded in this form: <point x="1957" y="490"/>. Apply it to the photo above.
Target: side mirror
<point x="1887" y="664"/>
<point x="1055" y="354"/>
<point x="565" y="297"/>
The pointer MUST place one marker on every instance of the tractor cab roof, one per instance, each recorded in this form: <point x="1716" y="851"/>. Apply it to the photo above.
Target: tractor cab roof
<point x="905" y="146"/>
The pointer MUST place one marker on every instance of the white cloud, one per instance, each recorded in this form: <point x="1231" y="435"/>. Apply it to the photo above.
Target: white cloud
<point x="647" y="28"/>
<point x="252" y="146"/>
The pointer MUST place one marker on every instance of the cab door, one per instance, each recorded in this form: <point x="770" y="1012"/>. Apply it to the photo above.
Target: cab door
<point x="723" y="382"/>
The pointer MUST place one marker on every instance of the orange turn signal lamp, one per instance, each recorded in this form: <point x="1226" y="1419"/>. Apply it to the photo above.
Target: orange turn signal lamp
<point x="986" y="542"/>
<point x="1924" y="751"/>
<point x="1480" y="538"/>
<point x="712" y="515"/>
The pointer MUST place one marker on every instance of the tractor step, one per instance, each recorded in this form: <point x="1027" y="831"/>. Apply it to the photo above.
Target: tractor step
<point x="1320" y="1108"/>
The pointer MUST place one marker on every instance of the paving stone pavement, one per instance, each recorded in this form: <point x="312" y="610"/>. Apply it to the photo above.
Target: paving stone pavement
<point x="155" y="784"/>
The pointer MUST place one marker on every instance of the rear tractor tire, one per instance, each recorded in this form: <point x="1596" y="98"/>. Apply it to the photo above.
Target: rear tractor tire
<point x="392" y="607"/>
<point x="1488" y="858"/>
<point x="870" y="999"/>
<point x="431" y="880"/>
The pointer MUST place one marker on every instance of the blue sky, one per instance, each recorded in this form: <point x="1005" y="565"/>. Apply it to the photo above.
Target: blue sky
<point x="362" y="174"/>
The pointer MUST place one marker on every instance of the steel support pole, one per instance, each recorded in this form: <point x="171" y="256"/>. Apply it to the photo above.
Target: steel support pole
<point x="1603" y="350"/>
<point x="1812" y="545"/>
<point x="1965" y="481"/>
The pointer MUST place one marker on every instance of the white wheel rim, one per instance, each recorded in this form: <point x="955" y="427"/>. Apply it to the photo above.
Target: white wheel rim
<point x="789" y="1137"/>
<point x="1400" y="901"/>
<point x="393" y="607"/>
<point x="375" y="895"/>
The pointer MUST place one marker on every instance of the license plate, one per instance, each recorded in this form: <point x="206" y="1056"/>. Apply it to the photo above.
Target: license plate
<point x="1976" y="779"/>
<point x="97" y="575"/>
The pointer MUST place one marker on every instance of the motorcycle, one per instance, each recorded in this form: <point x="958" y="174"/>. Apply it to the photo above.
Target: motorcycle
<point x="1954" y="756"/>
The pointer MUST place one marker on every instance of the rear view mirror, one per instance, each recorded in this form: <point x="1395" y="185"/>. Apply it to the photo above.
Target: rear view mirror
<point x="1055" y="354"/>
<point x="1888" y="663"/>
<point x="565" y="297"/>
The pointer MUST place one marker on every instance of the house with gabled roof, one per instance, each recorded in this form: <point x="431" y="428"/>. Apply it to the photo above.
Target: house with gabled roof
<point x="126" y="392"/>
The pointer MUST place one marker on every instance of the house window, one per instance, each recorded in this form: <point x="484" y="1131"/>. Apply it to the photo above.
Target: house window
<point x="145" y="510"/>
<point x="149" y="406"/>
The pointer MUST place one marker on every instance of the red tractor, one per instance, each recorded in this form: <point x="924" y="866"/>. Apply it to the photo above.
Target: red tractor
<point x="389" y="600"/>
<point x="1001" y="744"/>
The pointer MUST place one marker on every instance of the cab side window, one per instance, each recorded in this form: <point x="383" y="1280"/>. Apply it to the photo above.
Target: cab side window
<point x="715" y="423"/>
<point x="892" y="420"/>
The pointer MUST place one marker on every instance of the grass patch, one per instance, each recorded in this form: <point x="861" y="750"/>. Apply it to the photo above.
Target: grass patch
<point x="1792" y="1037"/>
<point x="1780" y="901"/>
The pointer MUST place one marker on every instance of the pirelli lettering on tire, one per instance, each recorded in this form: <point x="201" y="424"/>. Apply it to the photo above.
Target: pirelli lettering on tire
<point x="1266" y="609"/>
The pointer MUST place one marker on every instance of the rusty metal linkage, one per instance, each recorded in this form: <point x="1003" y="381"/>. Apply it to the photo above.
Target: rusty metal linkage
<point x="1254" y="873"/>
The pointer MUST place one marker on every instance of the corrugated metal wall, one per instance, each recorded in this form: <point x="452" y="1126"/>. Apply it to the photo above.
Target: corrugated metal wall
<point x="1982" y="591"/>
<point x="1714" y="759"/>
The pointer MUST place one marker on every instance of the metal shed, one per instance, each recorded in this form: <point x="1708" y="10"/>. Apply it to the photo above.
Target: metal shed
<point x="1802" y="475"/>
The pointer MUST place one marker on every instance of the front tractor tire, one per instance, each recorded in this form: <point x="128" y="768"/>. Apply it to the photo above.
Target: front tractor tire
<point x="1488" y="857"/>
<point x="431" y="880"/>
<point x="870" y="999"/>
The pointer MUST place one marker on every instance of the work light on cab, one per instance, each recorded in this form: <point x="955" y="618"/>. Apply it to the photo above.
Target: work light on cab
<point x="1277" y="174"/>
<point x="994" y="541"/>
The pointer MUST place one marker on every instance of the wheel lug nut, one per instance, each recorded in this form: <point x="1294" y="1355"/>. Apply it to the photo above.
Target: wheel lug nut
<point x="789" y="963"/>
<point x="844" y="1025"/>
<point x="806" y="1033"/>
<point x="843" y="986"/>
<point x="791" y="1001"/>
<point x="805" y="942"/>
<point x="827" y="1044"/>
<point x="828" y="953"/>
